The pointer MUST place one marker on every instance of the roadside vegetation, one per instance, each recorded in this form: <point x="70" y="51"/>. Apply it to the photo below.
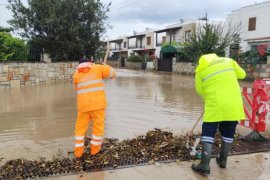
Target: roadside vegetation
<point x="217" y="38"/>
<point x="66" y="29"/>
<point x="210" y="38"/>
<point x="11" y="48"/>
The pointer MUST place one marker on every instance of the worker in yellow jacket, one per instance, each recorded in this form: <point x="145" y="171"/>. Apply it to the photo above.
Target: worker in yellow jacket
<point x="216" y="81"/>
<point x="91" y="103"/>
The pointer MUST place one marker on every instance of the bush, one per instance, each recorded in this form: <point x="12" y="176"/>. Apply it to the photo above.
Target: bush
<point x="134" y="58"/>
<point x="12" y="48"/>
<point x="251" y="57"/>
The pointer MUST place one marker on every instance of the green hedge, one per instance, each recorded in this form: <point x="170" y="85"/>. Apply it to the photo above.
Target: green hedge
<point x="135" y="58"/>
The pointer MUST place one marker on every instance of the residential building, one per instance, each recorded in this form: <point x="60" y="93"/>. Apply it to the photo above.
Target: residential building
<point x="165" y="43"/>
<point x="174" y="35"/>
<point x="141" y="43"/>
<point x="119" y="50"/>
<point x="254" y="21"/>
<point x="169" y="42"/>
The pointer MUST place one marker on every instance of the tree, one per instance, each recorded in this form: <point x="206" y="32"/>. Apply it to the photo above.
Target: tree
<point x="210" y="38"/>
<point x="12" y="48"/>
<point x="5" y="29"/>
<point x="66" y="29"/>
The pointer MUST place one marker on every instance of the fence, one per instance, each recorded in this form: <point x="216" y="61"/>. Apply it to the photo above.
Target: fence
<point x="24" y="56"/>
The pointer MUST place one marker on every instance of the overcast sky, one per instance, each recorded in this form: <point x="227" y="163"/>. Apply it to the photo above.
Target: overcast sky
<point x="126" y="16"/>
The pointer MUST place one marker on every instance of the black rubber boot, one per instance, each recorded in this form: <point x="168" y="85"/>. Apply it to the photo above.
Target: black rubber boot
<point x="224" y="151"/>
<point x="203" y="167"/>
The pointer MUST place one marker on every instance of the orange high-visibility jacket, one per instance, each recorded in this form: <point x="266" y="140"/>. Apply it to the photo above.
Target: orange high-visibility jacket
<point x="88" y="79"/>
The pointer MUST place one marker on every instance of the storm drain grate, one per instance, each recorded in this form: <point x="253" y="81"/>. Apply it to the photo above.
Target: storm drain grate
<point x="246" y="147"/>
<point x="24" y="169"/>
<point x="241" y="147"/>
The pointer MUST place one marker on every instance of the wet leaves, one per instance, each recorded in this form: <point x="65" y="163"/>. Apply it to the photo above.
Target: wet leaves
<point x="155" y="146"/>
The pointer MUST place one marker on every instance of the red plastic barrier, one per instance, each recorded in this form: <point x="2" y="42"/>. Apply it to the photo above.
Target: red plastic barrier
<point x="257" y="99"/>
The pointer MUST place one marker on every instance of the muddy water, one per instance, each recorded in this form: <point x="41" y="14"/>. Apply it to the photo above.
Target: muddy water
<point x="39" y="121"/>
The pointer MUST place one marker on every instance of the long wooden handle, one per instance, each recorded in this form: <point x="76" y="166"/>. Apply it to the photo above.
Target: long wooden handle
<point x="191" y="131"/>
<point x="107" y="53"/>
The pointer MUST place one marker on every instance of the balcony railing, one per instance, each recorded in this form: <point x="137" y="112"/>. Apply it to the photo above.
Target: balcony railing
<point x="160" y="43"/>
<point x="135" y="47"/>
<point x="116" y="49"/>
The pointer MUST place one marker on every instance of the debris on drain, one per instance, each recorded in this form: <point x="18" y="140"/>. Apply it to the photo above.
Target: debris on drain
<point x="155" y="146"/>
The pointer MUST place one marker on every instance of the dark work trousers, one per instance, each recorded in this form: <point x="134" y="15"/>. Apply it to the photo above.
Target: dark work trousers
<point x="226" y="128"/>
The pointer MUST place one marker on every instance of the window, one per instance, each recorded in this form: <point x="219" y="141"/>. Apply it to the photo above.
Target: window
<point x="148" y="41"/>
<point x="125" y="44"/>
<point x="187" y="35"/>
<point x="252" y="24"/>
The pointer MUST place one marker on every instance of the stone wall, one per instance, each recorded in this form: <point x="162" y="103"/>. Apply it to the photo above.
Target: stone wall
<point x="258" y="71"/>
<point x="17" y="75"/>
<point x="113" y="63"/>
<point x="183" y="68"/>
<point x="133" y="65"/>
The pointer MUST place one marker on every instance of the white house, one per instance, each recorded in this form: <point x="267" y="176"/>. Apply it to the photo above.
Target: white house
<point x="255" y="24"/>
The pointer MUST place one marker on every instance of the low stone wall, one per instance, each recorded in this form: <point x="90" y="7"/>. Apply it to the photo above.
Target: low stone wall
<point x="183" y="68"/>
<point x="113" y="63"/>
<point x="133" y="65"/>
<point x="17" y="75"/>
<point x="258" y="71"/>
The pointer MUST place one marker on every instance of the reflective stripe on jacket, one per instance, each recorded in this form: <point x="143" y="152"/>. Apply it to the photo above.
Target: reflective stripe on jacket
<point x="216" y="82"/>
<point x="90" y="86"/>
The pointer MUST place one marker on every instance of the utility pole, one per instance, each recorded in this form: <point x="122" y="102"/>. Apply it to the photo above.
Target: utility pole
<point x="205" y="18"/>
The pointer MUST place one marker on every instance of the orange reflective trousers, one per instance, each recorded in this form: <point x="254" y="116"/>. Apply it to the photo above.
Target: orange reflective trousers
<point x="97" y="118"/>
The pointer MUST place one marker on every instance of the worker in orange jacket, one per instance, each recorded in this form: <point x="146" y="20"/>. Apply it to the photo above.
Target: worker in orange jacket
<point x="91" y="103"/>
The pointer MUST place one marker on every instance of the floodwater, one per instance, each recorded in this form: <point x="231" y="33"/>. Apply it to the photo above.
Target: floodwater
<point x="39" y="121"/>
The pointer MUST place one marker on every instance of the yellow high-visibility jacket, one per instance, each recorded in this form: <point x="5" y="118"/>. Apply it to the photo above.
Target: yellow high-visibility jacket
<point x="88" y="80"/>
<point x="216" y="82"/>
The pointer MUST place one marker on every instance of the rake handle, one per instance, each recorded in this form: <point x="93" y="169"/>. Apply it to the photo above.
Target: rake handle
<point x="107" y="53"/>
<point x="191" y="131"/>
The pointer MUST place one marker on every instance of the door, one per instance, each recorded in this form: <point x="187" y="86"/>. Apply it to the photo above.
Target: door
<point x="165" y="64"/>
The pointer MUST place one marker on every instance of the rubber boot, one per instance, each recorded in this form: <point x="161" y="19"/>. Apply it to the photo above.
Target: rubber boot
<point x="224" y="151"/>
<point x="203" y="167"/>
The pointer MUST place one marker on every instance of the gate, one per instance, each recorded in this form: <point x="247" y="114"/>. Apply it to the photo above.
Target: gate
<point x="165" y="64"/>
<point x="122" y="61"/>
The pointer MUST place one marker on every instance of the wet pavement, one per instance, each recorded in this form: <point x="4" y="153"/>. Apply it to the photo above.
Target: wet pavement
<point x="39" y="121"/>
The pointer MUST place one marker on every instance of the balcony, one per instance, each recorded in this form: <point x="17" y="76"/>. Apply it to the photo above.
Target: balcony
<point x="136" y="47"/>
<point x="116" y="49"/>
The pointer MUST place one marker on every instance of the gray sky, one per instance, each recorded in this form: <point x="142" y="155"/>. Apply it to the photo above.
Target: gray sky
<point x="126" y="16"/>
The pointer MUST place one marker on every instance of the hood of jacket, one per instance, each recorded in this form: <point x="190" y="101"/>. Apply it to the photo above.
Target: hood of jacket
<point x="84" y="67"/>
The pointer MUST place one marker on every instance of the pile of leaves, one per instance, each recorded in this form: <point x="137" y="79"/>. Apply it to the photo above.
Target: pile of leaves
<point x="155" y="146"/>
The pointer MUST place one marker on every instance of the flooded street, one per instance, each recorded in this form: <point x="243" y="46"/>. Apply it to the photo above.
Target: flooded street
<point x="39" y="121"/>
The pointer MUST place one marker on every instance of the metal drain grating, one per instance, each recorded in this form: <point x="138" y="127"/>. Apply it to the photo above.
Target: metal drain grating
<point x="246" y="147"/>
<point x="241" y="147"/>
<point x="61" y="167"/>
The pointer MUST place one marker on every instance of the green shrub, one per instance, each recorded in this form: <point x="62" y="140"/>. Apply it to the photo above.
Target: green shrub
<point x="135" y="58"/>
